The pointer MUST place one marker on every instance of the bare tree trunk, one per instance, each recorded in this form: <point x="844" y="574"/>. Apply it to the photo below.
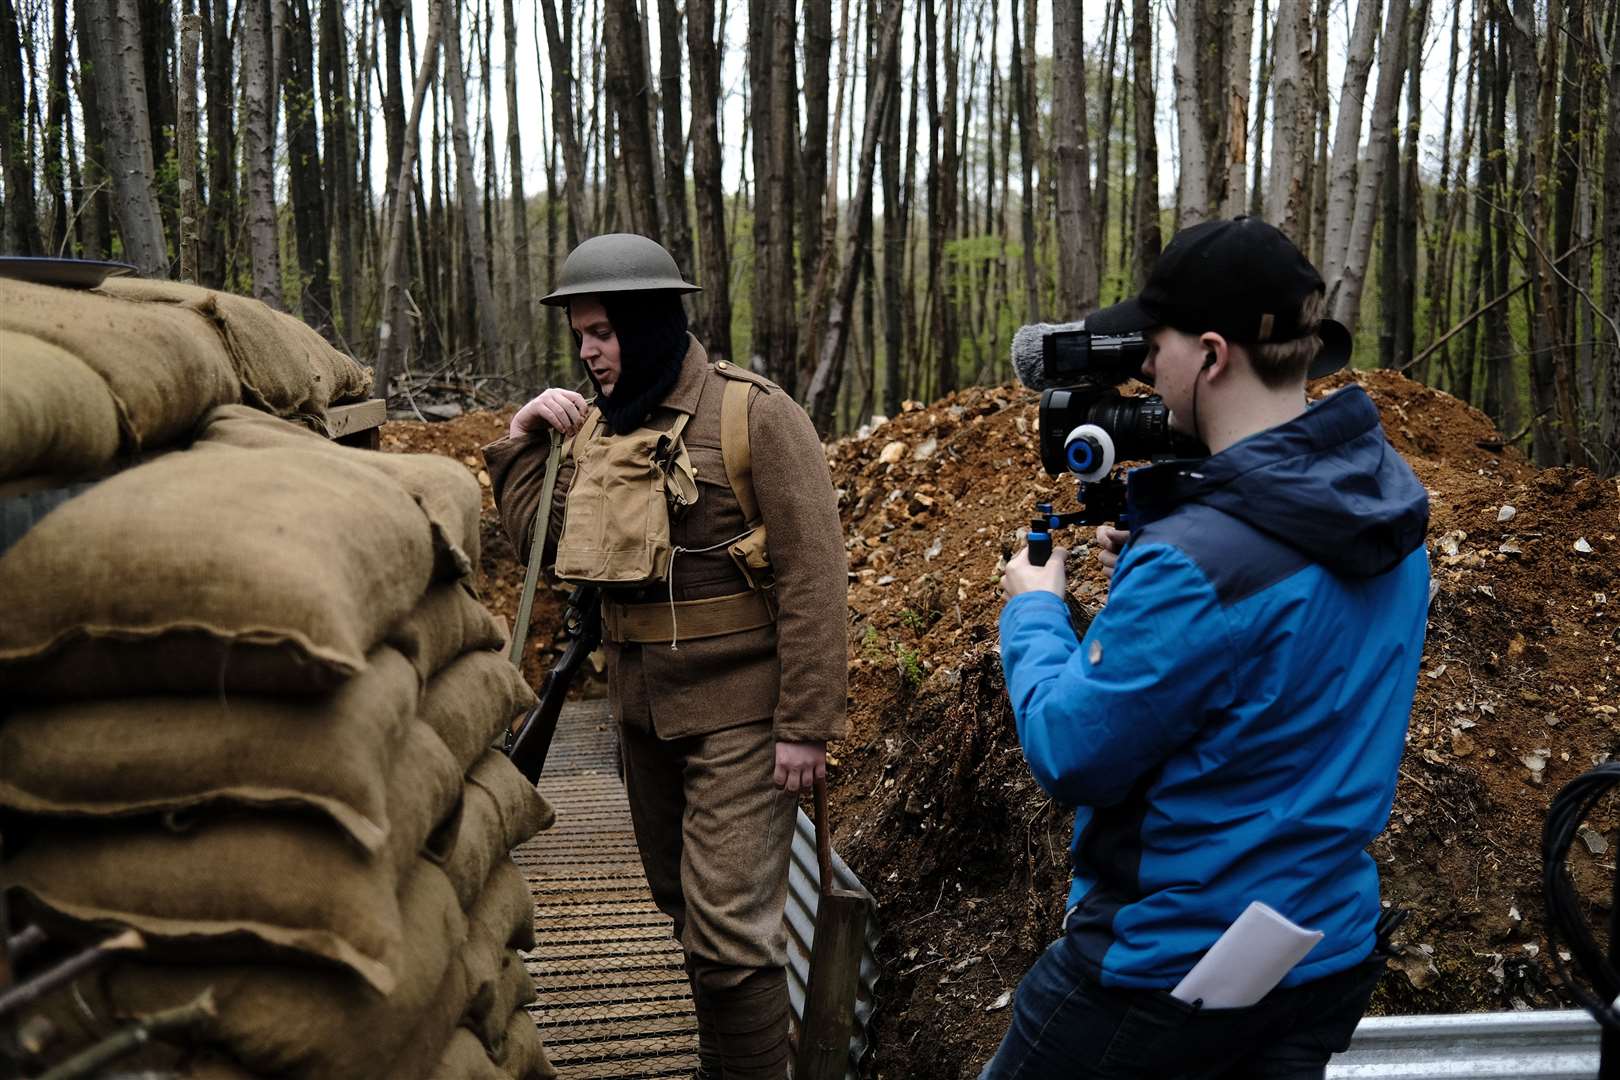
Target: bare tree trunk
<point x="304" y="168"/>
<point x="1116" y="15"/>
<point x="113" y="32"/>
<point x="1261" y="93"/>
<point x="259" y="150"/>
<point x="389" y="343"/>
<point x="823" y="389"/>
<point x="467" y="192"/>
<point x="1288" y="190"/>
<point x="336" y="105"/>
<point x="565" y="124"/>
<point x="1344" y="287"/>
<point x="1609" y="427"/>
<point x="1077" y="262"/>
<point x="1436" y="283"/>
<point x="1147" y="241"/>
<point x="191" y="27"/>
<point x="1237" y="108"/>
<point x="677" y="227"/>
<point x="714" y="325"/>
<point x="20" y="234"/>
<point x="1319" y="162"/>
<point x="627" y="82"/>
<point x="894" y="241"/>
<point x="1193" y="152"/>
<point x="1410" y="194"/>
<point x="818" y="41"/>
<point x="945" y="306"/>
<point x="1341" y="200"/>
<point x="56" y="127"/>
<point x="1026" y="167"/>
<point x="522" y="268"/>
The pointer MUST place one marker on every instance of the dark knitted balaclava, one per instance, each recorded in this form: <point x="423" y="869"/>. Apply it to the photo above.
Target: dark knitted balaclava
<point x="651" y="328"/>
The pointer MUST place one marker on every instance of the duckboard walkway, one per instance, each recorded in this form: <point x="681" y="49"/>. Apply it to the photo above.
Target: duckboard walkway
<point x="613" y="996"/>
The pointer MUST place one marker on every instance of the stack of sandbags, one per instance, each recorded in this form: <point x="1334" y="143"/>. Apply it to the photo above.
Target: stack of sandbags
<point x="92" y="379"/>
<point x="250" y="704"/>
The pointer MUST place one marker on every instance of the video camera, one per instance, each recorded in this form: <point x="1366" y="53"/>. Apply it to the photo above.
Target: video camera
<point x="1086" y="425"/>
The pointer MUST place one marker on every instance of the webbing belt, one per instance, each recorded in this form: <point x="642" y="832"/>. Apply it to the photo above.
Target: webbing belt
<point x="650" y="624"/>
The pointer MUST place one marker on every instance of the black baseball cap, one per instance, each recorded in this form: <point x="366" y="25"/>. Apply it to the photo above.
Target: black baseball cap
<point x="1241" y="278"/>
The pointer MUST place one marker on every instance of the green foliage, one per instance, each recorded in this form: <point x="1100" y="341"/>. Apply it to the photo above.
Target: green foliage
<point x="910" y="662"/>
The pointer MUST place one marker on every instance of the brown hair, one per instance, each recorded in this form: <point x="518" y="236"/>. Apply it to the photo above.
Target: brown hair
<point x="1279" y="363"/>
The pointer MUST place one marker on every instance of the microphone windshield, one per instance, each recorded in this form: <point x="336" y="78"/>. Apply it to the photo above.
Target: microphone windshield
<point x="1029" y="356"/>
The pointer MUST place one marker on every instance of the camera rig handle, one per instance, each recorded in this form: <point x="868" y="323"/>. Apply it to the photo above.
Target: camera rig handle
<point x="1101" y="502"/>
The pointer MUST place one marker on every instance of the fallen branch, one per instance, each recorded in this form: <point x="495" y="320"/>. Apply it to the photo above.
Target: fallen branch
<point x="126" y="1040"/>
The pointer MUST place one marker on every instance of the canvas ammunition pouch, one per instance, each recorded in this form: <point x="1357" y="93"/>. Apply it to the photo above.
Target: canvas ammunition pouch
<point x="616" y="527"/>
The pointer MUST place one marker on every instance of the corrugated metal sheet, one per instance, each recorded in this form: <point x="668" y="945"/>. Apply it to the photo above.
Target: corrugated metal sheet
<point x="804" y="890"/>
<point x="1561" y="1045"/>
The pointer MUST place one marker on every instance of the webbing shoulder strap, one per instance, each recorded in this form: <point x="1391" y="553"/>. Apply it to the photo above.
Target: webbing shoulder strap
<point x="734" y="449"/>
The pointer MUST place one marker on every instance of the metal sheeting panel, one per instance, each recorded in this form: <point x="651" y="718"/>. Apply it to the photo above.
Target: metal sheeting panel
<point x="804" y="892"/>
<point x="1561" y="1045"/>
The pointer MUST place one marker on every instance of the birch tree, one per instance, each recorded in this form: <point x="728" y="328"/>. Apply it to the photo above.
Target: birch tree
<point x="1192" y="184"/>
<point x="1344" y="287"/>
<point x="1288" y="188"/>
<point x="259" y="150"/>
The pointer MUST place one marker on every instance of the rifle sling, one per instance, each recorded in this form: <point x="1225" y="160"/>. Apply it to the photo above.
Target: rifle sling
<point x="537" y="551"/>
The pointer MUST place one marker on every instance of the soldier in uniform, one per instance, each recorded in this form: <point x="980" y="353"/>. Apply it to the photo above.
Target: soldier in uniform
<point x="713" y="527"/>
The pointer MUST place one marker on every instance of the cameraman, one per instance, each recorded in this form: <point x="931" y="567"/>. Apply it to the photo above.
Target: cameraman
<point x="1231" y="725"/>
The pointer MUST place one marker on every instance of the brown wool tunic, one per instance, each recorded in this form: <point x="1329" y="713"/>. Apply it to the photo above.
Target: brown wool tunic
<point x="794" y="673"/>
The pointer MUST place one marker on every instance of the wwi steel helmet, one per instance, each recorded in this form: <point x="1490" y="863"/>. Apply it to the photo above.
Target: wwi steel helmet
<point x="617" y="262"/>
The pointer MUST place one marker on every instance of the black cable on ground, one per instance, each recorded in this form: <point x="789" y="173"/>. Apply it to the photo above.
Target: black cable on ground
<point x="1567" y="923"/>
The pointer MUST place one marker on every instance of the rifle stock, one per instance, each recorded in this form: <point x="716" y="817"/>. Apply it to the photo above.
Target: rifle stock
<point x="528" y="746"/>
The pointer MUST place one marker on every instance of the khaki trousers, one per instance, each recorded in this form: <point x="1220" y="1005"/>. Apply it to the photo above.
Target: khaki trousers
<point x="714" y="835"/>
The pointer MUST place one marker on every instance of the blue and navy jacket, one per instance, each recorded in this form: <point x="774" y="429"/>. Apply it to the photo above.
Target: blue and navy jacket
<point x="1231" y="726"/>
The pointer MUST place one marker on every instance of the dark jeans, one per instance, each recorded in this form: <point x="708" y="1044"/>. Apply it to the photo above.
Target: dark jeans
<point x="1067" y="1025"/>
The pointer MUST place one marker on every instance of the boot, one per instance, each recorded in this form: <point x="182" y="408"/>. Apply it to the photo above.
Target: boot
<point x="750" y="1024"/>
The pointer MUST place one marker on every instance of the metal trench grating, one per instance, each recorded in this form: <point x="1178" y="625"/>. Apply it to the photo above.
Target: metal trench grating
<point x="613" y="997"/>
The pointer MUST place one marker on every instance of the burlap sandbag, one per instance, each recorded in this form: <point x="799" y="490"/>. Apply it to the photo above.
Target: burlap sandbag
<point x="500" y="810"/>
<point x="448" y="622"/>
<point x="253" y="571"/>
<point x="57" y="417"/>
<point x="331" y="753"/>
<point x="525" y="1052"/>
<point x="418" y="1055"/>
<point x="164" y="365"/>
<point x="299" y="1021"/>
<point x="472" y="701"/>
<point x="246" y="886"/>
<point x="284" y="365"/>
<point x="448" y="494"/>
<point x="465" y="1058"/>
<point x="500" y="922"/>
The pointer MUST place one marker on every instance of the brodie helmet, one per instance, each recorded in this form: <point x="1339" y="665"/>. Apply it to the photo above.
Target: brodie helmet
<point x="617" y="262"/>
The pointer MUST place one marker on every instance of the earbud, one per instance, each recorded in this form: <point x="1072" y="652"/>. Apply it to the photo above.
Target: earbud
<point x="1209" y="360"/>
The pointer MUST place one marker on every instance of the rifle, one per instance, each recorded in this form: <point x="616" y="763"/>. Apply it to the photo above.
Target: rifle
<point x="529" y="743"/>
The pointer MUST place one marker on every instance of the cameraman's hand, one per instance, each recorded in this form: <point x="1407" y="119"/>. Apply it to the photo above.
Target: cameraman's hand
<point x="563" y="410"/>
<point x="1022" y="577"/>
<point x="1109" y="544"/>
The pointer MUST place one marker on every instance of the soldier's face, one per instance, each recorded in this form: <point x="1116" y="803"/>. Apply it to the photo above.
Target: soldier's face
<point x="598" y="344"/>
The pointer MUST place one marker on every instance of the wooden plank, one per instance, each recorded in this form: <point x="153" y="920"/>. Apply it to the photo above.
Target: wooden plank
<point x="343" y="421"/>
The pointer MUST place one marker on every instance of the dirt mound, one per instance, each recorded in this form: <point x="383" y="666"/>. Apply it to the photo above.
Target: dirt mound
<point x="934" y="807"/>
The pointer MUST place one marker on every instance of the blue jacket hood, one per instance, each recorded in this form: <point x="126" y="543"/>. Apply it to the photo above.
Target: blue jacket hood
<point x="1327" y="484"/>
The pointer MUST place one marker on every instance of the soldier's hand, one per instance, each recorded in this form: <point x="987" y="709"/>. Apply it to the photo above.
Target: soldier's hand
<point x="557" y="408"/>
<point x="799" y="765"/>
<point x="1109" y="544"/>
<point x="1021" y="576"/>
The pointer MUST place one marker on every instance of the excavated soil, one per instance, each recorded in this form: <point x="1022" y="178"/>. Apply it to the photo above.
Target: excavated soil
<point x="934" y="809"/>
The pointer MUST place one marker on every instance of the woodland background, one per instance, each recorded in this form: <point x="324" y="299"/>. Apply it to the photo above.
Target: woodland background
<point x="873" y="193"/>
